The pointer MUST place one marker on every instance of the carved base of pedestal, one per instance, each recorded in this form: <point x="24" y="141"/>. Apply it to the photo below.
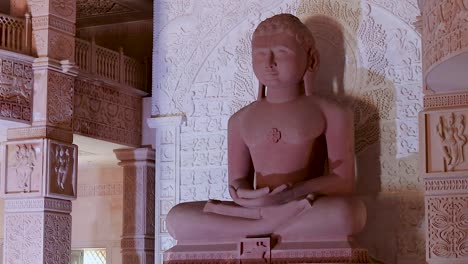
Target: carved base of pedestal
<point x="255" y="250"/>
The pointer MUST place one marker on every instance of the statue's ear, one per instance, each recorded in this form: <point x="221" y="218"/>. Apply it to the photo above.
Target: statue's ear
<point x="314" y="60"/>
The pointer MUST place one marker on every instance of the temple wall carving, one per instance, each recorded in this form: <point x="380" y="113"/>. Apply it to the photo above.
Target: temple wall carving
<point x="374" y="63"/>
<point x="105" y="112"/>
<point x="445" y="31"/>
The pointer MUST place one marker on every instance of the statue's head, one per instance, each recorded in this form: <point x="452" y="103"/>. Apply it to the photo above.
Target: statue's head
<point x="283" y="49"/>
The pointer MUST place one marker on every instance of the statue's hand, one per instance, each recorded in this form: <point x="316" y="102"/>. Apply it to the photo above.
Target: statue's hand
<point x="252" y="194"/>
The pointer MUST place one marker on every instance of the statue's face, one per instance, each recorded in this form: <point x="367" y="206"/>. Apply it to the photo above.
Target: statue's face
<point x="279" y="61"/>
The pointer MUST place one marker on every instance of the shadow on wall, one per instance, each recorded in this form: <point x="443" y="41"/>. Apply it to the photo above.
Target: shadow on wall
<point x="341" y="78"/>
<point x="5" y="7"/>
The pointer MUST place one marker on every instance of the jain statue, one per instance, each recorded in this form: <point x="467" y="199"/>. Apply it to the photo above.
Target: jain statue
<point x="290" y="155"/>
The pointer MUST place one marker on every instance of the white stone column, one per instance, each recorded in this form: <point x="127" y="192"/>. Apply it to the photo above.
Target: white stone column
<point x="168" y="172"/>
<point x="138" y="205"/>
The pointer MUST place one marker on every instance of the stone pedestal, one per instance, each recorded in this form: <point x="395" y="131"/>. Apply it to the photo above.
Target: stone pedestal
<point x="264" y="250"/>
<point x="138" y="205"/>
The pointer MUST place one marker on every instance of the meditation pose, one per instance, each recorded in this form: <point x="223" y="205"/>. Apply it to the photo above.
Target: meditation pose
<point x="290" y="155"/>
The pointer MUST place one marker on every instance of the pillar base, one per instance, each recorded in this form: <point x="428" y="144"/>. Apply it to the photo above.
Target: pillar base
<point x="257" y="250"/>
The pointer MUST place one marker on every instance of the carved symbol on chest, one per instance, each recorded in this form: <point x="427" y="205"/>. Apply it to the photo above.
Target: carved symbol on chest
<point x="274" y="135"/>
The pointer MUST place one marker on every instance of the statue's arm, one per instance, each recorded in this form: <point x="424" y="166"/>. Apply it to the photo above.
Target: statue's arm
<point x="240" y="167"/>
<point x="339" y="133"/>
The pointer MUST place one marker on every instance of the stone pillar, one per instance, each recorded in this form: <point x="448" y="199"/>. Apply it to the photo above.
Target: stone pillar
<point x="138" y="205"/>
<point x="443" y="132"/>
<point x="39" y="178"/>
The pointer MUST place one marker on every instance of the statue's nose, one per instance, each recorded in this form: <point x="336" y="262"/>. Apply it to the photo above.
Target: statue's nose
<point x="271" y="60"/>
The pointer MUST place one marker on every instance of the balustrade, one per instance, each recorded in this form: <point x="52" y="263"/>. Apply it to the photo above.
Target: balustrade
<point x="109" y="64"/>
<point x="15" y="33"/>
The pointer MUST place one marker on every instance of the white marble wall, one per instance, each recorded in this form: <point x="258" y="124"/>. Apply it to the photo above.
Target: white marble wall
<point x="370" y="54"/>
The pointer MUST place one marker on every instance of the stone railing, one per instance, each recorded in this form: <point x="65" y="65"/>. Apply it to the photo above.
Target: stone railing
<point x="110" y="65"/>
<point x="15" y="33"/>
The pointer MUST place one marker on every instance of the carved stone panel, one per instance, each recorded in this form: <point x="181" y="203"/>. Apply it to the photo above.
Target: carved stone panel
<point x="444" y="136"/>
<point x="60" y="89"/>
<point x="447" y="223"/>
<point x="22" y="173"/>
<point x="62" y="166"/>
<point x="107" y="113"/>
<point x="16" y="90"/>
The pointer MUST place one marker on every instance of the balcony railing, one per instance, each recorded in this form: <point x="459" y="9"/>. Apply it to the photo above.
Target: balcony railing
<point x="15" y="33"/>
<point x="109" y="64"/>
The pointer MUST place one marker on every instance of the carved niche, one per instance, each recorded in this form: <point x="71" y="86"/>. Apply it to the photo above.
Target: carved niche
<point x="62" y="169"/>
<point x="22" y="174"/>
<point x="16" y="90"/>
<point x="445" y="142"/>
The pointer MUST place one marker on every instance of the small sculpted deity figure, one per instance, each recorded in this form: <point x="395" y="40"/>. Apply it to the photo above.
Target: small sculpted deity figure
<point x="278" y="150"/>
<point x="26" y="160"/>
<point x="451" y="131"/>
<point x="62" y="159"/>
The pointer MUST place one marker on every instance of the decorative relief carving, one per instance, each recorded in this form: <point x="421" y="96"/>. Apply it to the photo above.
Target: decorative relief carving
<point x="447" y="227"/>
<point x="23" y="167"/>
<point x="57" y="238"/>
<point x="91" y="190"/>
<point x="65" y="8"/>
<point x="60" y="99"/>
<point x="23" y="238"/>
<point x="54" y="22"/>
<point x="61" y="46"/>
<point x="16" y="90"/>
<point x="451" y="129"/>
<point x="435" y="186"/>
<point x="444" y="30"/>
<point x="89" y="8"/>
<point x="25" y="162"/>
<point x="107" y="113"/>
<point x="445" y="100"/>
<point x="62" y="169"/>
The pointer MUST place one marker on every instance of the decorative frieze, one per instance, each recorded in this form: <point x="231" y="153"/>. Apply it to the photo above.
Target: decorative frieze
<point x="54" y="22"/>
<point x="37" y="205"/>
<point x="445" y="100"/>
<point x="107" y="113"/>
<point x="91" y="190"/>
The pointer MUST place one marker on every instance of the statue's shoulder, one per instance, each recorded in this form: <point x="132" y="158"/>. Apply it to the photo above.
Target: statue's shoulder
<point x="332" y="108"/>
<point x="238" y="116"/>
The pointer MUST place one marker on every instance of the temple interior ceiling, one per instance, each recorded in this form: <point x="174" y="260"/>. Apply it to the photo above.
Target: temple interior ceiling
<point x="102" y="12"/>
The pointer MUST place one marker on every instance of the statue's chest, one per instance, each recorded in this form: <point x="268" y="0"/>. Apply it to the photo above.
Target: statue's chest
<point x="293" y="125"/>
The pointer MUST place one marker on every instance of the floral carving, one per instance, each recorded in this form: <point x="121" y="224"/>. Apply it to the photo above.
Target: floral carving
<point x="274" y="135"/>
<point x="57" y="238"/>
<point x="16" y="86"/>
<point x="64" y="8"/>
<point x="88" y="8"/>
<point x="106" y="113"/>
<point x="447" y="227"/>
<point x="61" y="47"/>
<point x="451" y="131"/>
<point x="60" y="101"/>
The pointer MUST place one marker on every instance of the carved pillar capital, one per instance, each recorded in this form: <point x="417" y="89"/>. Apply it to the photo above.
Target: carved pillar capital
<point x="138" y="206"/>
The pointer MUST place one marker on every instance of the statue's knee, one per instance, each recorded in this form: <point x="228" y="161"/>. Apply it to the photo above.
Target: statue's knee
<point x="353" y="213"/>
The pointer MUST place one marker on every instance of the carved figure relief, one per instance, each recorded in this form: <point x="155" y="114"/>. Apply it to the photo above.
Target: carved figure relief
<point x="62" y="170"/>
<point x="25" y="163"/>
<point x="62" y="165"/>
<point x="451" y="130"/>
